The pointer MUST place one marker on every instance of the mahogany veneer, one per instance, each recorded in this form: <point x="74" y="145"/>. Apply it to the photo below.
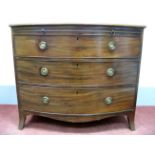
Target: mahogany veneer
<point x="77" y="73"/>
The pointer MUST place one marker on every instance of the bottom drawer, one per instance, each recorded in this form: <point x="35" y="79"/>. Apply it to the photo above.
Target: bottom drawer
<point x="76" y="101"/>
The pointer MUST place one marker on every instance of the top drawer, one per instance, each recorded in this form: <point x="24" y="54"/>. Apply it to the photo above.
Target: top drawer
<point x="77" y="46"/>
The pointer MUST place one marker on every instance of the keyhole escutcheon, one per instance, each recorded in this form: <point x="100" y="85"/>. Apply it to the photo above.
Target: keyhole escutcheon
<point x="77" y="38"/>
<point x="77" y="92"/>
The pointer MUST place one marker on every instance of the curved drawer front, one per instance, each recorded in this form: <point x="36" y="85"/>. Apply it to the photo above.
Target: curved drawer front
<point x="78" y="46"/>
<point x="77" y="73"/>
<point x="76" y="101"/>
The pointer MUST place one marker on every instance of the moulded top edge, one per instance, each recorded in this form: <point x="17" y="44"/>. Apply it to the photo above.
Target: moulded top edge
<point x="110" y="25"/>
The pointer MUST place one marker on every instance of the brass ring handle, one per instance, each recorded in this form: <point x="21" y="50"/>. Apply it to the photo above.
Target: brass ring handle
<point x="43" y="45"/>
<point x="108" y="100"/>
<point x="44" y="71"/>
<point x="112" y="45"/>
<point x="45" y="100"/>
<point x="110" y="72"/>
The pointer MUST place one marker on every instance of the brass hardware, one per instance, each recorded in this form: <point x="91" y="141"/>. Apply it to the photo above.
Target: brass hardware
<point x="114" y="33"/>
<point x="44" y="71"/>
<point x="45" y="100"/>
<point x="43" y="45"/>
<point x="110" y="72"/>
<point x="108" y="100"/>
<point x="112" y="45"/>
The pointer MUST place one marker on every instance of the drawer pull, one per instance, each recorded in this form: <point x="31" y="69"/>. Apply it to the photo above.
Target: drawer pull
<point x="112" y="45"/>
<point x="108" y="100"/>
<point x="43" y="45"/>
<point x="44" y="71"/>
<point x="110" y="72"/>
<point x="45" y="100"/>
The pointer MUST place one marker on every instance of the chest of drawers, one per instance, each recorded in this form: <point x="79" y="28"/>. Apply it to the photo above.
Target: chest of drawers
<point x="77" y="73"/>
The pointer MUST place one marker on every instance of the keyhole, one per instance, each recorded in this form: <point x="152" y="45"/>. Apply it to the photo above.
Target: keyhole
<point x="77" y="92"/>
<point x="77" y="37"/>
<point x="77" y="65"/>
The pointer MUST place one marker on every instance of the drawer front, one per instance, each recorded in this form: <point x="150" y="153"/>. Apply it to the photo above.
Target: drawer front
<point x="78" y="46"/>
<point x="77" y="73"/>
<point x="76" y="101"/>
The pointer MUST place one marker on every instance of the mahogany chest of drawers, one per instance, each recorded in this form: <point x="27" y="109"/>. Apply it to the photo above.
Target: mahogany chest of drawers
<point x="77" y="73"/>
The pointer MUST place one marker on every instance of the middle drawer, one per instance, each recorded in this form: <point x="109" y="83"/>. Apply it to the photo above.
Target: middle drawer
<point x="109" y="73"/>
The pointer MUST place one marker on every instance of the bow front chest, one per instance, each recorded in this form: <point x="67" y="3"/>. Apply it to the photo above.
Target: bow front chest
<point x="77" y="73"/>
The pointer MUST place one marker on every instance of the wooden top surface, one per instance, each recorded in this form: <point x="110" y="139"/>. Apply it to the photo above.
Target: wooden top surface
<point x="110" y="25"/>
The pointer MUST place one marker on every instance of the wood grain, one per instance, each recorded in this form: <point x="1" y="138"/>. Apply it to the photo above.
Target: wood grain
<point x="76" y="29"/>
<point x="77" y="46"/>
<point x="78" y="118"/>
<point x="75" y="73"/>
<point x="76" y="101"/>
<point x="77" y="58"/>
